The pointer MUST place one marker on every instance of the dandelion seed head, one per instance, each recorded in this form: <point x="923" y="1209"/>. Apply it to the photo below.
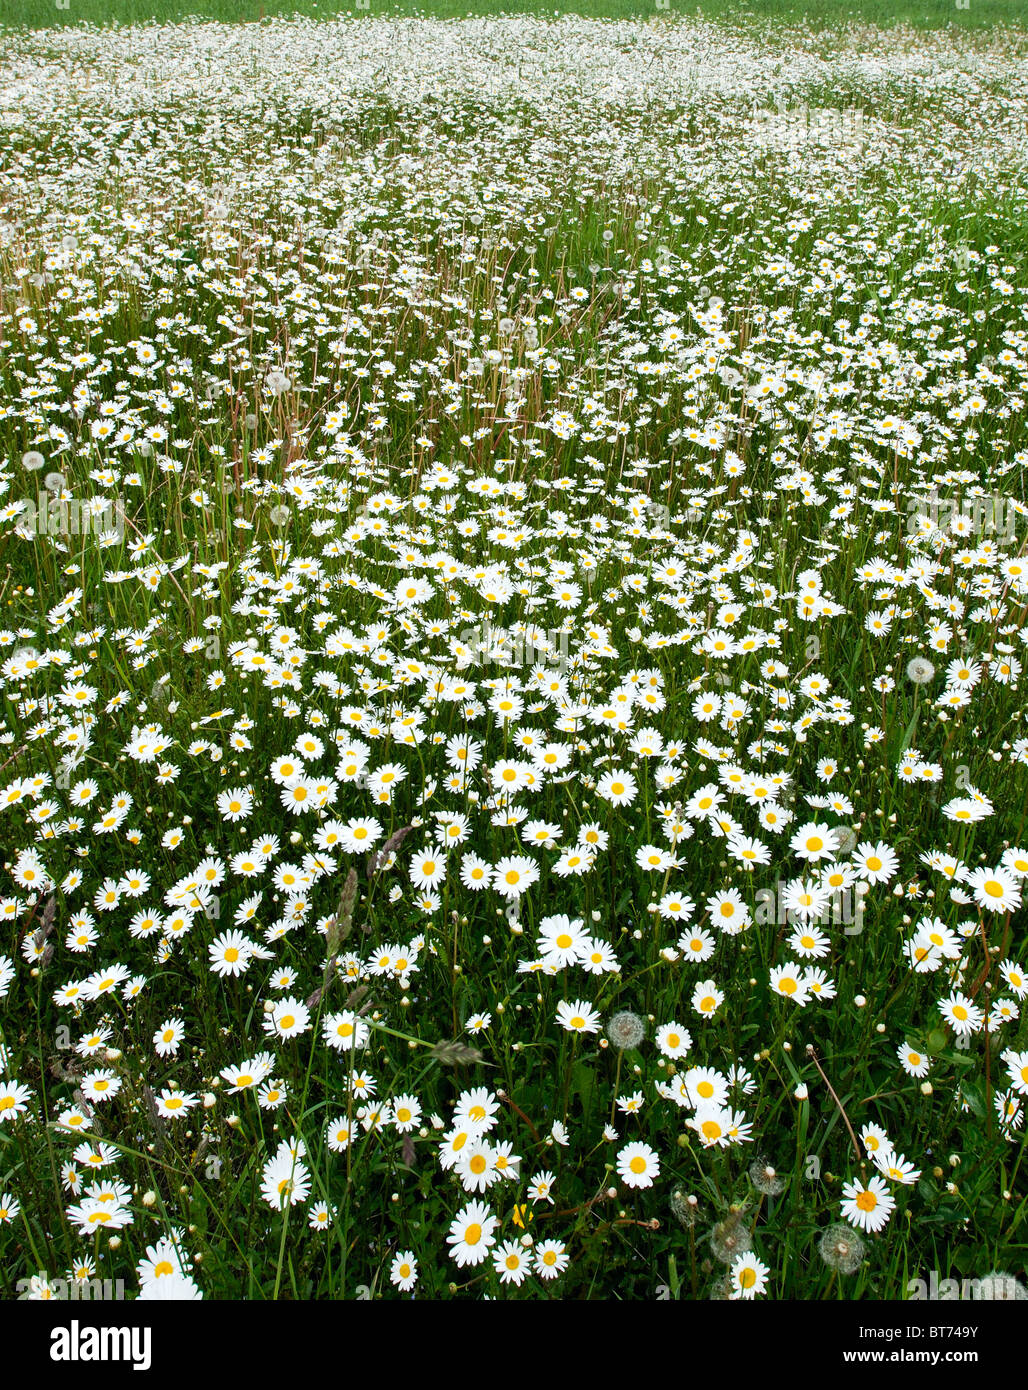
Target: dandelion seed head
<point x="625" y="1030"/>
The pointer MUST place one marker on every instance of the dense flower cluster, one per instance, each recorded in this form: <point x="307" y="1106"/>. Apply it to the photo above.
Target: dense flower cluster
<point x="499" y="582"/>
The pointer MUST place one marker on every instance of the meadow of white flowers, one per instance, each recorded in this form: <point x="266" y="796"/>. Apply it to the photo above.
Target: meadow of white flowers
<point x="513" y="573"/>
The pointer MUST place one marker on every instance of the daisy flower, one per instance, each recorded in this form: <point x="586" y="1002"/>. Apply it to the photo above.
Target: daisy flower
<point x="539" y="1187"/>
<point x="874" y="863"/>
<point x="561" y="940"/>
<point x="895" y="1167"/>
<point x="344" y="1031"/>
<point x="577" y="1016"/>
<point x="13" y="1100"/>
<point x="747" y="1276"/>
<point x="471" y="1234"/>
<point x="271" y="1095"/>
<point x="788" y="980"/>
<point x="249" y="1073"/>
<point x="406" y="1113"/>
<point x="230" y="953"/>
<point x="598" y="957"/>
<point x="285" y="1180"/>
<point x="287" y="1019"/>
<point x="869" y="1205"/>
<point x="707" y="998"/>
<point x="1015" y="977"/>
<point x="673" y="1040"/>
<point x="339" y="1134"/>
<point x="235" y="805"/>
<point x="403" y="1271"/>
<point x="617" y="787"/>
<point x="100" y="1085"/>
<point x="1016" y="1064"/>
<point x="913" y="1061"/>
<point x="963" y="1016"/>
<point x="169" y="1036"/>
<point x="512" y="1263"/>
<point x="705" y="1087"/>
<point x="551" y="1259"/>
<point x="514" y="874"/>
<point x="173" y="1105"/>
<point x="813" y="842"/>
<point x="995" y="890"/>
<point x="638" y="1165"/>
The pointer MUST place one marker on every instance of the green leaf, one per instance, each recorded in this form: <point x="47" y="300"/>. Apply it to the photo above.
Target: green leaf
<point x="972" y="1093"/>
<point x="583" y="1082"/>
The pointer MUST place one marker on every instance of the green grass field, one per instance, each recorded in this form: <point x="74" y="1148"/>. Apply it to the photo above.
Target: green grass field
<point x="810" y="14"/>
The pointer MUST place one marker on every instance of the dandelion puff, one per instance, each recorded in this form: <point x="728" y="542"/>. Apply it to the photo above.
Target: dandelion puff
<point x="730" y="1238"/>
<point x="997" y="1285"/>
<point x="684" y="1208"/>
<point x="764" y="1178"/>
<point x="841" y="1248"/>
<point x="626" y="1030"/>
<point x="920" y="670"/>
